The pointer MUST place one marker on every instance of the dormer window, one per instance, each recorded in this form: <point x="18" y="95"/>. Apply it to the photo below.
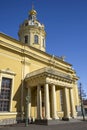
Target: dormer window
<point x="36" y="39"/>
<point x="26" y="39"/>
<point x="26" y="24"/>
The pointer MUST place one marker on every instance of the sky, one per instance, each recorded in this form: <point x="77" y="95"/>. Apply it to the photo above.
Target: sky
<point x="65" y="24"/>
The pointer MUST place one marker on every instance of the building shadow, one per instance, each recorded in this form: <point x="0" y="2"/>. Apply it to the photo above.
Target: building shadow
<point x="20" y="99"/>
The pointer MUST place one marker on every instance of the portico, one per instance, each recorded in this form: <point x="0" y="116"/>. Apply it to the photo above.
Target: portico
<point x="46" y="81"/>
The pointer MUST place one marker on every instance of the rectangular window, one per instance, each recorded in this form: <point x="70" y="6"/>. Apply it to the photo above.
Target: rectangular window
<point x="5" y="94"/>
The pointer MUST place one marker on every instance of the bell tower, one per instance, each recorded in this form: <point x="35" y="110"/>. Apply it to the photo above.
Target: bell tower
<point x="32" y="32"/>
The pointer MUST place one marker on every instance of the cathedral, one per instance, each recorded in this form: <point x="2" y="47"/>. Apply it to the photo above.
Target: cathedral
<point x="34" y="84"/>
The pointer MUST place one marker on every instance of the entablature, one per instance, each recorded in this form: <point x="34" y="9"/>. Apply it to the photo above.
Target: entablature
<point x="48" y="75"/>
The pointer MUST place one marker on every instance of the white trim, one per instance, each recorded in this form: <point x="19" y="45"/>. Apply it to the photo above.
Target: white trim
<point x="8" y="113"/>
<point x="7" y="71"/>
<point x="8" y="74"/>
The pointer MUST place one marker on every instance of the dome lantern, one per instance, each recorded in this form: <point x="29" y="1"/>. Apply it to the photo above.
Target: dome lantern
<point x="32" y="32"/>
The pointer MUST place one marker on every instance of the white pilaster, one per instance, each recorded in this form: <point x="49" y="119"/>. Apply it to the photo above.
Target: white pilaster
<point x="39" y="102"/>
<point x="47" y="106"/>
<point x="53" y="98"/>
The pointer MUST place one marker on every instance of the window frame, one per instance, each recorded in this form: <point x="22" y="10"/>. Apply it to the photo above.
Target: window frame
<point x="9" y="75"/>
<point x="36" y="39"/>
<point x="5" y="95"/>
<point x="43" y="42"/>
<point x="26" y="39"/>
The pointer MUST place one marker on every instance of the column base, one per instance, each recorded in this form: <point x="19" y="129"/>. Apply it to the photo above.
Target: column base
<point x="49" y="118"/>
<point x="65" y="118"/>
<point x="46" y="122"/>
<point x="55" y="118"/>
<point x="73" y="117"/>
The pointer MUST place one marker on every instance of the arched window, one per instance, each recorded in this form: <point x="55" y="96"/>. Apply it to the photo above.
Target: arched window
<point x="35" y="38"/>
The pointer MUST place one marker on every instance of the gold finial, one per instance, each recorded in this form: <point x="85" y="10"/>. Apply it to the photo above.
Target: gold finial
<point x="33" y="12"/>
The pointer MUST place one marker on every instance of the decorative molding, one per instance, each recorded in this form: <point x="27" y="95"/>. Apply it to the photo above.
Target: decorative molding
<point x="25" y="62"/>
<point x="7" y="71"/>
<point x="50" y="72"/>
<point x="7" y="113"/>
<point x="48" y="75"/>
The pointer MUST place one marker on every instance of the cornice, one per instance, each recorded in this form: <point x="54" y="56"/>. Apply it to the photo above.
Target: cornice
<point x="49" y="76"/>
<point x="50" y="72"/>
<point x="10" y="38"/>
<point x="31" y="28"/>
<point x="10" y="46"/>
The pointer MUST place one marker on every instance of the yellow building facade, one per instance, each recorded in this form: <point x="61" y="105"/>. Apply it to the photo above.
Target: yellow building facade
<point x="32" y="81"/>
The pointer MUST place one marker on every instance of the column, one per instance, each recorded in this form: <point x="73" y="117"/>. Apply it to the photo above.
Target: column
<point x="72" y="103"/>
<point x="66" y="105"/>
<point x="46" y="101"/>
<point x="54" y="114"/>
<point x="29" y="105"/>
<point x="39" y="102"/>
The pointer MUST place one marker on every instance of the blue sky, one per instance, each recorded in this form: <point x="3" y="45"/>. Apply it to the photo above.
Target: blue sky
<point x="65" y="23"/>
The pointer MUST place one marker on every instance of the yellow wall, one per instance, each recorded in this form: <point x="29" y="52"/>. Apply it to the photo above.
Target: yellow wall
<point x="22" y="60"/>
<point x="20" y="65"/>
